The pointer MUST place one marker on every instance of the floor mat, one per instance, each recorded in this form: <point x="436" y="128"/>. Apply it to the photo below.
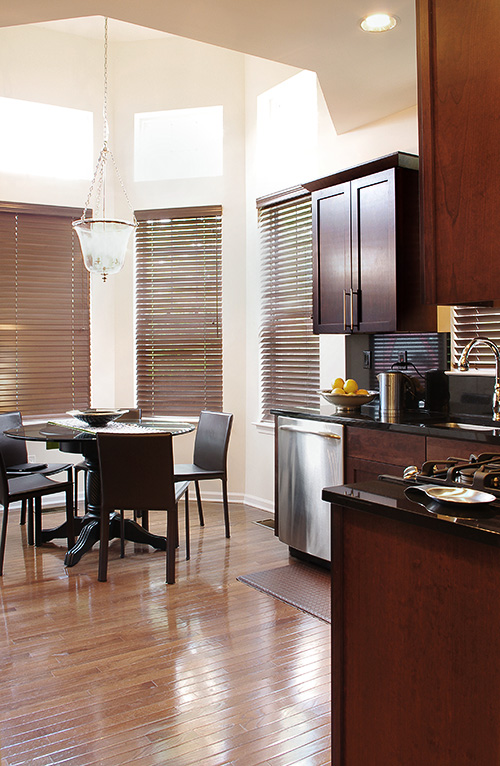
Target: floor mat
<point x="266" y="523"/>
<point x="300" y="585"/>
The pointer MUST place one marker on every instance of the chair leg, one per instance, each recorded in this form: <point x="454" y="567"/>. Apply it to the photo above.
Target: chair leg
<point x="22" y="518"/>
<point x="38" y="521"/>
<point x="4" y="536"/>
<point x="198" y="500"/>
<point x="122" y="534"/>
<point x="172" y="531"/>
<point x="186" y="516"/>
<point x="226" y="507"/>
<point x="103" y="546"/>
<point x="31" y="535"/>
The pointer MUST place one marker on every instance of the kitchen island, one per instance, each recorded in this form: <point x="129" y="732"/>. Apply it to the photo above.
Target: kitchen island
<point x="415" y="631"/>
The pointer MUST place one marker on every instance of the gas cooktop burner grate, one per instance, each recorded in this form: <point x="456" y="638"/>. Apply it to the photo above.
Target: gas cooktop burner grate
<point x="481" y="473"/>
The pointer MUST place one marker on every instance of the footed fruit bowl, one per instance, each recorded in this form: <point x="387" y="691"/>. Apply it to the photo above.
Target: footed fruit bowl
<point x="346" y="402"/>
<point x="96" y="418"/>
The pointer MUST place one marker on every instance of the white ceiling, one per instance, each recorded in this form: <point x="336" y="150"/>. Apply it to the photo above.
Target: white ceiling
<point x="364" y="77"/>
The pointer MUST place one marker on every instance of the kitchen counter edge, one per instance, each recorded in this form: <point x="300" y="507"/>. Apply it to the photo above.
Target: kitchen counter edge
<point x="421" y="423"/>
<point x="389" y="500"/>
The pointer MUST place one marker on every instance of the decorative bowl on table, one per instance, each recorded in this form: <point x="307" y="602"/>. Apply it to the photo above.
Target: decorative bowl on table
<point x="95" y="417"/>
<point x="346" y="402"/>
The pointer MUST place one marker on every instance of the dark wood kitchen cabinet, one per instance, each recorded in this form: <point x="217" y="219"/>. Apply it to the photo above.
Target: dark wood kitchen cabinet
<point x="458" y="56"/>
<point x="369" y="453"/>
<point x="415" y="637"/>
<point x="366" y="260"/>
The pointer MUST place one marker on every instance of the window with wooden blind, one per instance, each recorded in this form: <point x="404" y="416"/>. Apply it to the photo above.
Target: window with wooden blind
<point x="179" y="310"/>
<point x="44" y="312"/>
<point x="469" y="322"/>
<point x="289" y="349"/>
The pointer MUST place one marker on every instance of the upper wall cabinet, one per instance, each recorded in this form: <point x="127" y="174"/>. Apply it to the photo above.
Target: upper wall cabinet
<point x="458" y="55"/>
<point x="366" y="249"/>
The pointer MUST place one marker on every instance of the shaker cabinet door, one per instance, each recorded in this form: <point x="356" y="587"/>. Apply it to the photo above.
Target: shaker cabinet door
<point x="374" y="252"/>
<point x="332" y="259"/>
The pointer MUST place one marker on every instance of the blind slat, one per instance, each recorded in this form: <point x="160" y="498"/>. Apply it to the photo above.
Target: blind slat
<point x="178" y="311"/>
<point x="44" y="313"/>
<point x="469" y="322"/>
<point x="289" y="350"/>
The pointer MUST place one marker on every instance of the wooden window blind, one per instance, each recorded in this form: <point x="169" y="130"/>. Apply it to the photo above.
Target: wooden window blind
<point x="44" y="312"/>
<point x="289" y="349"/>
<point x="467" y="323"/>
<point x="179" y="310"/>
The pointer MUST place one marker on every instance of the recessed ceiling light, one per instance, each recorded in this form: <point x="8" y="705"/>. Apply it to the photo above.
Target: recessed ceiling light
<point x="378" y="22"/>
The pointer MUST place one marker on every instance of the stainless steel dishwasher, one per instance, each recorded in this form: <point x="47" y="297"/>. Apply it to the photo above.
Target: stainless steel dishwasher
<point x="309" y="457"/>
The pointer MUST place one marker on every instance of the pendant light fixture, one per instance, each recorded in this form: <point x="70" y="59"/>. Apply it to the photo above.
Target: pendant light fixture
<point x="104" y="241"/>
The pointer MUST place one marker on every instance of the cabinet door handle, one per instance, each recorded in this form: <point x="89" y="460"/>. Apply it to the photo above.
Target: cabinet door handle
<point x="344" y="291"/>
<point x="352" y="308"/>
<point x="325" y="434"/>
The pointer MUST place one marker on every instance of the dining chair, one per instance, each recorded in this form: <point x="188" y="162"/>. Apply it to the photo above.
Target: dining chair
<point x="137" y="473"/>
<point x="209" y="459"/>
<point x="15" y="455"/>
<point x="83" y="467"/>
<point x="32" y="487"/>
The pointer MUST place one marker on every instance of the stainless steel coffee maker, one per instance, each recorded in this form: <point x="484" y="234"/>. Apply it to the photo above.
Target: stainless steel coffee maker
<point x="396" y="392"/>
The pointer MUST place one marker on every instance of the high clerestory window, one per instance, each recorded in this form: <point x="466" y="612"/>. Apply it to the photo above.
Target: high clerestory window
<point x="44" y="312"/>
<point x="179" y="310"/>
<point x="289" y="350"/>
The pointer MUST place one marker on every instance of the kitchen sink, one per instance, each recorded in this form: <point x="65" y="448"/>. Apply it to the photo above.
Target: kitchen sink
<point x="466" y="426"/>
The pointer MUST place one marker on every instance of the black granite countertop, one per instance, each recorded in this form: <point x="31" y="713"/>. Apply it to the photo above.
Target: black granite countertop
<point x="392" y="500"/>
<point x="411" y="422"/>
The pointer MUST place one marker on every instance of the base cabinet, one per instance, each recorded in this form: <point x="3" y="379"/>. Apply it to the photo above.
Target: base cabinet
<point x="369" y="453"/>
<point x="415" y="645"/>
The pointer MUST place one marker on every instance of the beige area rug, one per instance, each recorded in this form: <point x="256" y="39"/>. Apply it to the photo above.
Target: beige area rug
<point x="301" y="585"/>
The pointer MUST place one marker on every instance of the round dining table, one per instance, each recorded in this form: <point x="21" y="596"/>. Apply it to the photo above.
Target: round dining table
<point x="69" y="436"/>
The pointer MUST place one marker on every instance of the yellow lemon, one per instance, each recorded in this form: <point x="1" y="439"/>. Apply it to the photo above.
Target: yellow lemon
<point x="338" y="383"/>
<point x="338" y="391"/>
<point x="362" y="392"/>
<point x="350" y="386"/>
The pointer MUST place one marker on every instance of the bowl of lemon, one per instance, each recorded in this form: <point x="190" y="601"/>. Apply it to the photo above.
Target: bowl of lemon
<point x="346" y="396"/>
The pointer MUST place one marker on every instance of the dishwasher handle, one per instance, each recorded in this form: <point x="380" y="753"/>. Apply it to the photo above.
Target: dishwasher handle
<point x="324" y="434"/>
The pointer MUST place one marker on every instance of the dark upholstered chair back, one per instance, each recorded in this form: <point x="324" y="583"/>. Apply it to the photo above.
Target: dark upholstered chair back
<point x="4" y="485"/>
<point x="212" y="440"/>
<point x="136" y="471"/>
<point x="13" y="450"/>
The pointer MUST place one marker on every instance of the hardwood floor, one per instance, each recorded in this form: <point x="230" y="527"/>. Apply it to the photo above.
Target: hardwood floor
<point x="207" y="671"/>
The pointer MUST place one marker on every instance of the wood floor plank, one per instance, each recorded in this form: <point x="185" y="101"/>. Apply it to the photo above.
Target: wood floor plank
<point x="207" y="671"/>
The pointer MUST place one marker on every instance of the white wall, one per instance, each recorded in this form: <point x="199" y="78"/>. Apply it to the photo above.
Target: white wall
<point x="176" y="73"/>
<point x="332" y="153"/>
<point x="42" y="65"/>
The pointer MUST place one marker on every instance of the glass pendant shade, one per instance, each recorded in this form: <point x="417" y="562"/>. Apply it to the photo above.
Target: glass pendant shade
<point x="104" y="244"/>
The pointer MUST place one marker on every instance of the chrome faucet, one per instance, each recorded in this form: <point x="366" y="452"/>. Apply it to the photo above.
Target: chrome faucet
<point x="463" y="366"/>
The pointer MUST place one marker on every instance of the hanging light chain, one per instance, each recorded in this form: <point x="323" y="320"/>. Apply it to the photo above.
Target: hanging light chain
<point x="98" y="179"/>
<point x="105" y="97"/>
